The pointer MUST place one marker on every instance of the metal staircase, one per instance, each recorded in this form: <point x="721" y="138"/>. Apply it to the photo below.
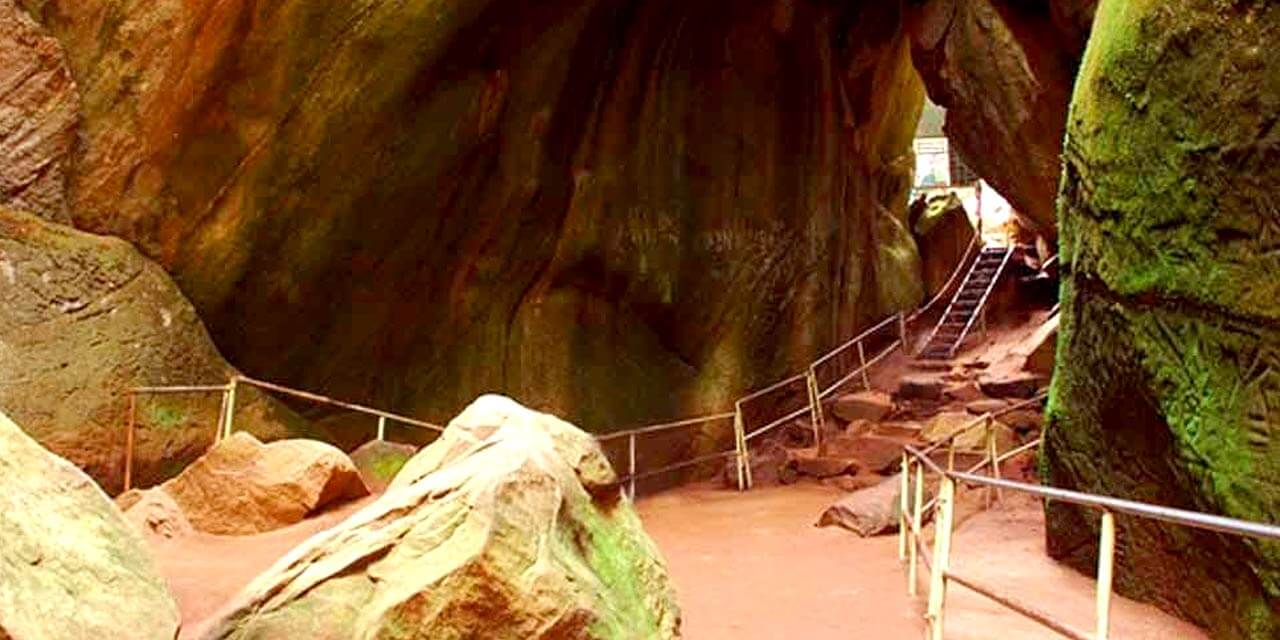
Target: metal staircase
<point x="967" y="305"/>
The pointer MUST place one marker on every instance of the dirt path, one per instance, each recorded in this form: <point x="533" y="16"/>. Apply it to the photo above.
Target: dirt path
<point x="751" y="566"/>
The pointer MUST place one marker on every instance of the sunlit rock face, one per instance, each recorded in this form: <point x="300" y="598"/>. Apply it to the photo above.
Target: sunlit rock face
<point x="1004" y="70"/>
<point x="618" y="209"/>
<point x="1167" y="386"/>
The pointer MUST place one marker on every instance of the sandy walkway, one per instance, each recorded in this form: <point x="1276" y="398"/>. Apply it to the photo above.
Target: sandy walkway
<point x="751" y="566"/>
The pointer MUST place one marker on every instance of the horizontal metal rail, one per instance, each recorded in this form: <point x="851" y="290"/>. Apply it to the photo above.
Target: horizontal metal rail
<point x="667" y="426"/>
<point x="860" y="337"/>
<point x="857" y="372"/>
<point x="1026" y="610"/>
<point x="315" y="397"/>
<point x="1193" y="519"/>
<point x="799" y="377"/>
<point x="679" y="465"/>
<point x="207" y="388"/>
<point x="776" y="423"/>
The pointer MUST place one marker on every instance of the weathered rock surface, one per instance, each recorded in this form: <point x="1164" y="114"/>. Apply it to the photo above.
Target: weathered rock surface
<point x="869" y="512"/>
<point x="379" y="461"/>
<point x="242" y="487"/>
<point x="70" y="567"/>
<point x="1040" y="348"/>
<point x="1011" y="386"/>
<point x="1168" y="380"/>
<point x="872" y="406"/>
<point x="678" y="199"/>
<point x="82" y="319"/>
<point x="38" y="110"/>
<point x="943" y="232"/>
<point x="509" y="526"/>
<point x="1004" y="70"/>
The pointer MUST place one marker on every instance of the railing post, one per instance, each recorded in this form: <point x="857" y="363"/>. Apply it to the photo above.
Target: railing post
<point x="862" y="360"/>
<point x="130" y="423"/>
<point x="231" y="407"/>
<point x="1106" y="571"/>
<point x="222" y="415"/>
<point x="382" y="428"/>
<point x="951" y="454"/>
<point x="631" y="455"/>
<point x="815" y="408"/>
<point x="941" y="557"/>
<point x="917" y="518"/>
<point x="740" y="442"/>
<point x="904" y="505"/>
<point x="993" y="452"/>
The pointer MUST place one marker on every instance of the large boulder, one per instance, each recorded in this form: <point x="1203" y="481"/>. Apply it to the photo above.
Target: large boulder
<point x="944" y="232"/>
<point x="868" y="512"/>
<point x="82" y="319"/>
<point x="70" y="567"/>
<point x="1004" y="69"/>
<point x="1168" y="377"/>
<point x="242" y="487"/>
<point x="510" y="526"/>
<point x="683" y="200"/>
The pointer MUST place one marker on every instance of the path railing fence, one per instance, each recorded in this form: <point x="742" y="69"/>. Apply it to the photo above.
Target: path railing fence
<point x="752" y="416"/>
<point x="919" y="467"/>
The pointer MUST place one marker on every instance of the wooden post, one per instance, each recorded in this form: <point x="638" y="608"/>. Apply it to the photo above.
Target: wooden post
<point x="904" y="505"/>
<point x="631" y="454"/>
<point x="941" y="557"/>
<point x="1106" y="571"/>
<point x="862" y="360"/>
<point x="231" y="408"/>
<point x="130" y="423"/>
<point x="382" y="428"/>
<point x="917" y="518"/>
<point x="815" y="408"/>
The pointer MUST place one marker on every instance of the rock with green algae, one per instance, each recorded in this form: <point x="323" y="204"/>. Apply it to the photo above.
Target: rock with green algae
<point x="82" y="319"/>
<point x="1167" y="382"/>
<point x="379" y="461"/>
<point x="943" y="231"/>
<point x="70" y="566"/>
<point x="510" y="526"/>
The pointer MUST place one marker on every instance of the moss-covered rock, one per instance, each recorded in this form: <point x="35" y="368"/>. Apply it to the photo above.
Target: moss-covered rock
<point x="1167" y="385"/>
<point x="82" y="319"/>
<point x="70" y="567"/>
<point x="510" y="526"/>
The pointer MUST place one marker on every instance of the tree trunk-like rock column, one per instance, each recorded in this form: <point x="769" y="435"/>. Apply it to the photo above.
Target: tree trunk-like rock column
<point x="1168" y="370"/>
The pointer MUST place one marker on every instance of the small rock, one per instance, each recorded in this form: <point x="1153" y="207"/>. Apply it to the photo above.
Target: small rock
<point x="965" y="392"/>
<point x="1023" y="420"/>
<point x="920" y="389"/>
<point x="379" y="461"/>
<point x="1023" y="386"/>
<point x="863" y="405"/>
<point x="869" y="512"/>
<point x="824" y="466"/>
<point x="985" y="405"/>
<point x="155" y="513"/>
<point x="977" y="364"/>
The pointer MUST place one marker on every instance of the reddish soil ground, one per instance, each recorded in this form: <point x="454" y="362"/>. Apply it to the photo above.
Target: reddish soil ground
<point x="753" y="566"/>
<point x="205" y="571"/>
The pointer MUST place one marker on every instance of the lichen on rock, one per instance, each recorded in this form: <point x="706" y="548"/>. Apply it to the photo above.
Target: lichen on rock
<point x="511" y="523"/>
<point x="1168" y="365"/>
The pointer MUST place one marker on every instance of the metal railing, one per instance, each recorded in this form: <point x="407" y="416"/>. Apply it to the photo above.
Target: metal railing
<point x="914" y="512"/>
<point x="813" y="378"/>
<point x="226" y="412"/>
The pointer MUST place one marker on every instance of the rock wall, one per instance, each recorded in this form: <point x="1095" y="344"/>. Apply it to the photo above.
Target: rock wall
<point x="1004" y="71"/>
<point x="82" y="319"/>
<point x="624" y="210"/>
<point x="1167" y="385"/>
<point x="38" y="112"/>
